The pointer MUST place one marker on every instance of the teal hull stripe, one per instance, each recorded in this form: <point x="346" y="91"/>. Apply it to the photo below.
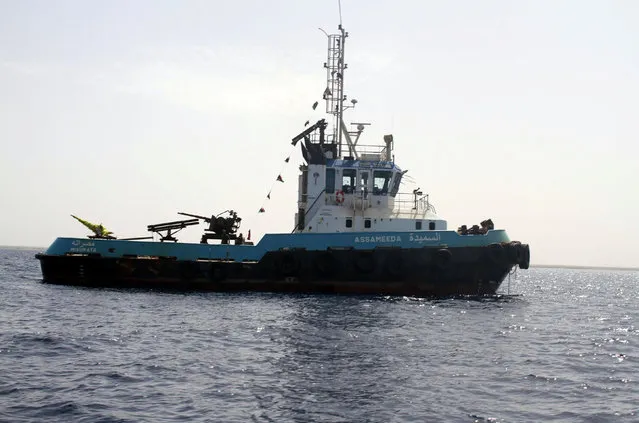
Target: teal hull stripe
<point x="274" y="242"/>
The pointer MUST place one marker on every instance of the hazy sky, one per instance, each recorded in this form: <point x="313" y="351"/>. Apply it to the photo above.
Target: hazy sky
<point x="126" y="112"/>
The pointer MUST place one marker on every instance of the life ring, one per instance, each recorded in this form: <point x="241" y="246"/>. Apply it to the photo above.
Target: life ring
<point x="339" y="197"/>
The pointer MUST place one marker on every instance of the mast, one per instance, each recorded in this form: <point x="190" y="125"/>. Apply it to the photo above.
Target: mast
<point x="334" y="93"/>
<point x="340" y="121"/>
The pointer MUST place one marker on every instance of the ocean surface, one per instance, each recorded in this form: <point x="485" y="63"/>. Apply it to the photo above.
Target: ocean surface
<point x="562" y="346"/>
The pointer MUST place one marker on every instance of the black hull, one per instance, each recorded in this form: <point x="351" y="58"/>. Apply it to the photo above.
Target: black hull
<point x="422" y="272"/>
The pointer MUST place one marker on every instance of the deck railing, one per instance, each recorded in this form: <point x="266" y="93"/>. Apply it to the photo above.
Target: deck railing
<point x="408" y="202"/>
<point x="372" y="152"/>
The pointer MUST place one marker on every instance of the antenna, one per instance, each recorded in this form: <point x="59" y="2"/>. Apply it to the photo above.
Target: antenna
<point x="334" y="92"/>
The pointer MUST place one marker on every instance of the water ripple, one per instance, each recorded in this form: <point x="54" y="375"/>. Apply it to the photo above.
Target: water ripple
<point x="562" y="346"/>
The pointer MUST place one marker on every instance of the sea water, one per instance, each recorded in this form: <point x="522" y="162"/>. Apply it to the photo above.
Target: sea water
<point x="563" y="346"/>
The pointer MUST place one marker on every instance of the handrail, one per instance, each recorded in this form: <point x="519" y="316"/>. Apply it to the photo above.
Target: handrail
<point x="402" y="203"/>
<point x="297" y="224"/>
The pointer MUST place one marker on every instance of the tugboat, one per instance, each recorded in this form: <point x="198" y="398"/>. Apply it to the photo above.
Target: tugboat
<point x="354" y="232"/>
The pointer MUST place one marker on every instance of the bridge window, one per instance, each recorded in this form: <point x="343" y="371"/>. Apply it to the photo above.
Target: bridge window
<point x="349" y="177"/>
<point x="330" y="181"/>
<point x="396" y="181"/>
<point x="381" y="181"/>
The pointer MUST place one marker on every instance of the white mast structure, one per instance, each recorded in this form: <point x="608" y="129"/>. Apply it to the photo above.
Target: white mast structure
<point x="334" y="93"/>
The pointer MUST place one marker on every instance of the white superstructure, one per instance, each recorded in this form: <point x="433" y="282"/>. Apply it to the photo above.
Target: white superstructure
<point x="357" y="191"/>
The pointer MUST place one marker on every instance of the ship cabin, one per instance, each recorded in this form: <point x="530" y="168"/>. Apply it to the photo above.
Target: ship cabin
<point x="358" y="193"/>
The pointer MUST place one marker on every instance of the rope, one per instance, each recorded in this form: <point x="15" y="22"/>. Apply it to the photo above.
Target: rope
<point x="268" y="196"/>
<point x="512" y="272"/>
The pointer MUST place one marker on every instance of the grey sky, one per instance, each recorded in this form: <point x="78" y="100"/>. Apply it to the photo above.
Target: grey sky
<point x="126" y="112"/>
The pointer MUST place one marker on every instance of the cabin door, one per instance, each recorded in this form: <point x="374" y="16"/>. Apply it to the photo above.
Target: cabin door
<point x="363" y="182"/>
